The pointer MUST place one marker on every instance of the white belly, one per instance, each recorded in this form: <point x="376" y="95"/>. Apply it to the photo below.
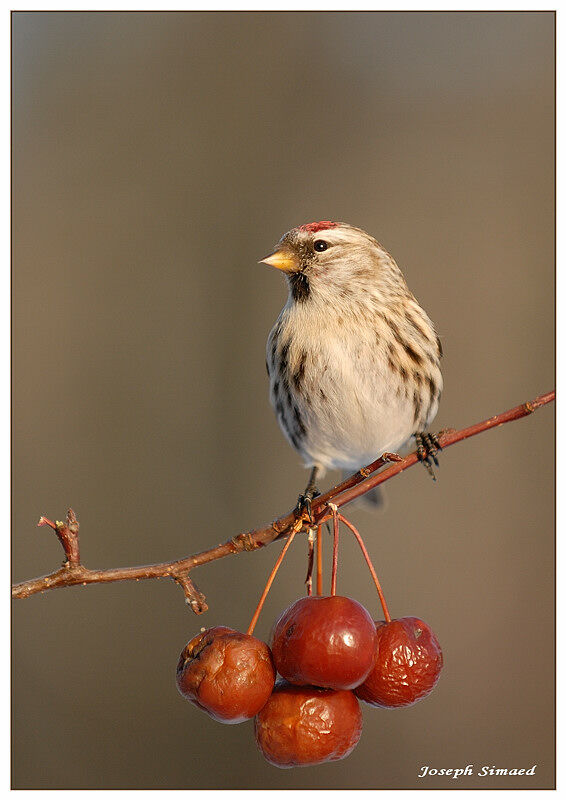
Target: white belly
<point x="342" y="401"/>
<point x="358" y="415"/>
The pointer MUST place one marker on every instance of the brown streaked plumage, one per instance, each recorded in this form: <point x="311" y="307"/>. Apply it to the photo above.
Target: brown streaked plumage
<point x="353" y="360"/>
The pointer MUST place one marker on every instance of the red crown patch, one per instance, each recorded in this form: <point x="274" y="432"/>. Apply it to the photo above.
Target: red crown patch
<point x="315" y="227"/>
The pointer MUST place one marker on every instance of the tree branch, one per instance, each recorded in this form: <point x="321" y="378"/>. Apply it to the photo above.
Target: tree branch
<point x="73" y="573"/>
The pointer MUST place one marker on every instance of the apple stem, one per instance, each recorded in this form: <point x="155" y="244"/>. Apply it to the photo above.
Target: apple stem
<point x="370" y="566"/>
<point x="271" y="578"/>
<point x="335" y="522"/>
<point x="310" y="561"/>
<point x="319" y="560"/>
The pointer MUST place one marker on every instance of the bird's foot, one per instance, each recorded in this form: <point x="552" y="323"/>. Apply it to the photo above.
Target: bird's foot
<point x="303" y="509"/>
<point x="428" y="447"/>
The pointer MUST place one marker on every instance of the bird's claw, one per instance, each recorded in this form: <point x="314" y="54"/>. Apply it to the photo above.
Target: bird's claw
<point x="303" y="509"/>
<point x="428" y="447"/>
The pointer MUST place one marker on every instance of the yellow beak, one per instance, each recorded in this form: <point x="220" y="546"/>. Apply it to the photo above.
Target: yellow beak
<point x="282" y="259"/>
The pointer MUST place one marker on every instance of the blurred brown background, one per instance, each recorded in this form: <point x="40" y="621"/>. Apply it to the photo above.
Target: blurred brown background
<point x="156" y="158"/>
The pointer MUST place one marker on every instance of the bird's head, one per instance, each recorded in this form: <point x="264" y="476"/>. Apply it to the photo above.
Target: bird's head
<point x="327" y="259"/>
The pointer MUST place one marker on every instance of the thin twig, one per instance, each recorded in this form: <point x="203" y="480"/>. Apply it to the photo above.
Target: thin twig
<point x="371" y="568"/>
<point x="270" y="580"/>
<point x="310" y="561"/>
<point x="68" y="534"/>
<point x="73" y="573"/>
<point x="193" y="595"/>
<point x="335" y="532"/>
<point x="319" y="560"/>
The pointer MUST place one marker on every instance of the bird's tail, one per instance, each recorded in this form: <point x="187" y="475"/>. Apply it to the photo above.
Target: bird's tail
<point x="374" y="500"/>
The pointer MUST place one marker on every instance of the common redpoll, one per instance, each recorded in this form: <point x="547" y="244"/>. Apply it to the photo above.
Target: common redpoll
<point x="353" y="360"/>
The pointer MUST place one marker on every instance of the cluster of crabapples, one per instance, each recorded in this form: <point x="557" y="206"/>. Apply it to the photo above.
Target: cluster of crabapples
<point x="329" y="654"/>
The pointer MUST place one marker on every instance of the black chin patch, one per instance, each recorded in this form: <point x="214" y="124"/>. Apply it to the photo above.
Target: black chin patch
<point x="300" y="287"/>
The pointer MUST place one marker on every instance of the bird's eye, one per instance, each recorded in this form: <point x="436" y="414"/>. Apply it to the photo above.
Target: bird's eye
<point x="320" y="246"/>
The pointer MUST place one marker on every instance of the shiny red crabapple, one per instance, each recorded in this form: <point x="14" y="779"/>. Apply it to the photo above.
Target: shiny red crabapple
<point x="324" y="641"/>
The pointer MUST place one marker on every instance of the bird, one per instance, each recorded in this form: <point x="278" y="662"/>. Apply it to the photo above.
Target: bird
<point x="353" y="359"/>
